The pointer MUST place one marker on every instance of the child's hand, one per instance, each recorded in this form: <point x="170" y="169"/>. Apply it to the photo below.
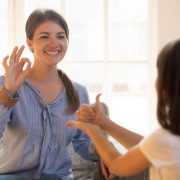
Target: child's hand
<point x="84" y="126"/>
<point x="100" y="116"/>
<point x="86" y="113"/>
<point x="92" y="113"/>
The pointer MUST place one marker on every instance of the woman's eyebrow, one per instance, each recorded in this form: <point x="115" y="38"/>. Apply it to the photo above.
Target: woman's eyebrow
<point x="61" y="33"/>
<point x="47" y="33"/>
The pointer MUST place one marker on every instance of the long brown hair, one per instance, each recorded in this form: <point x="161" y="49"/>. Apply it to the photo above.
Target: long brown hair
<point x="168" y="87"/>
<point x="73" y="98"/>
<point x="36" y="18"/>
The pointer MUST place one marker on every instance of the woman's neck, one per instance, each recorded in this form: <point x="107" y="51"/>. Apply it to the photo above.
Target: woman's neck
<point x="43" y="74"/>
<point x="47" y="82"/>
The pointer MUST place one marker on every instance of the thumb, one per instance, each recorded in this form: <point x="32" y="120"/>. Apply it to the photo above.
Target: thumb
<point x="97" y="100"/>
<point x="28" y="67"/>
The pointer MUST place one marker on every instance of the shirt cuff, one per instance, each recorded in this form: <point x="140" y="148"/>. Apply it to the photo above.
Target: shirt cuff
<point x="6" y="99"/>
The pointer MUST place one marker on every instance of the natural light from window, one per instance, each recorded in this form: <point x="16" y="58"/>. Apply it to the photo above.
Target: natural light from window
<point x="108" y="52"/>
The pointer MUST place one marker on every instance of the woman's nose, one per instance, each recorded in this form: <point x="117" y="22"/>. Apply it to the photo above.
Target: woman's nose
<point x="53" y="42"/>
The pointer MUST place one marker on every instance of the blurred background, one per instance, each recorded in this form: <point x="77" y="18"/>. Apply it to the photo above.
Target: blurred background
<point x="112" y="50"/>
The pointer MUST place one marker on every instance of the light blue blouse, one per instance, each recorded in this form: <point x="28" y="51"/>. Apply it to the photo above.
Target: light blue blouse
<point x="34" y="137"/>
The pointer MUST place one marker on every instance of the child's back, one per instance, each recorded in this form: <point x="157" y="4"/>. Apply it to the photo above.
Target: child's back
<point x="162" y="149"/>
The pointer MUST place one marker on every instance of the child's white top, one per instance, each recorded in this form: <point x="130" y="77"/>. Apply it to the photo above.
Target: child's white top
<point x="162" y="149"/>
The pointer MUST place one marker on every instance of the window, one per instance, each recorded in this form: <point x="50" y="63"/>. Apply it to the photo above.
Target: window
<point x="86" y="21"/>
<point x="108" y="51"/>
<point x="127" y="27"/>
<point x="4" y="26"/>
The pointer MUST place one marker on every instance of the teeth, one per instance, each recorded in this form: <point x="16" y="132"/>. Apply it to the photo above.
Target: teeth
<point x="52" y="52"/>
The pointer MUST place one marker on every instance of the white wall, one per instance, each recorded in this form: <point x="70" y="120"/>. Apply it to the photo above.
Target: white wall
<point x="168" y="21"/>
<point x="165" y="24"/>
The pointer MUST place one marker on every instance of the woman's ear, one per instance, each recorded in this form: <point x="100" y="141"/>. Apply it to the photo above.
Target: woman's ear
<point x="29" y="43"/>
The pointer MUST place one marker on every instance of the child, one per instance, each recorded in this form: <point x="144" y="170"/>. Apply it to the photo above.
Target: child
<point x="160" y="150"/>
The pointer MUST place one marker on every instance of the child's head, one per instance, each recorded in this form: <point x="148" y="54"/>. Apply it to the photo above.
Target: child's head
<point x="39" y="16"/>
<point x="168" y="87"/>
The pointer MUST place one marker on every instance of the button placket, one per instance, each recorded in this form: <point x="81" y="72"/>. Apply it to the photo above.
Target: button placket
<point x="46" y="139"/>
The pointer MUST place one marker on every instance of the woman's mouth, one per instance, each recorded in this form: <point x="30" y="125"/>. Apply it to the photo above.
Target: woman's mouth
<point x="52" y="52"/>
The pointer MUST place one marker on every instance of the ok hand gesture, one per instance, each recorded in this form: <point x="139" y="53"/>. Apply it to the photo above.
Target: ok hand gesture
<point x="14" y="72"/>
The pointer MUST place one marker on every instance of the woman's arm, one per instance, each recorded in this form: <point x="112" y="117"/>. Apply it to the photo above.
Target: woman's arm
<point x="6" y="102"/>
<point x="15" y="75"/>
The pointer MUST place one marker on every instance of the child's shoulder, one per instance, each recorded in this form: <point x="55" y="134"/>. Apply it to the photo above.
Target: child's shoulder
<point x="161" y="148"/>
<point x="160" y="138"/>
<point x="165" y="133"/>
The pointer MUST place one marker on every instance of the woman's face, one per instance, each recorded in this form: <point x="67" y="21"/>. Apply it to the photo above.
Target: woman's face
<point x="49" y="43"/>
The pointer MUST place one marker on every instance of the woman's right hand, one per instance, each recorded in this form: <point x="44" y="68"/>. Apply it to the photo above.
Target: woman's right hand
<point x="14" y="72"/>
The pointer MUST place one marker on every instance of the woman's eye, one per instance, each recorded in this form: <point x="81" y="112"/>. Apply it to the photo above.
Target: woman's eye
<point x="61" y="37"/>
<point x="44" y="37"/>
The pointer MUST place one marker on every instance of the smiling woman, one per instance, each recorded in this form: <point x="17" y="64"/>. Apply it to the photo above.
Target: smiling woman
<point x="35" y="104"/>
<point x="50" y="46"/>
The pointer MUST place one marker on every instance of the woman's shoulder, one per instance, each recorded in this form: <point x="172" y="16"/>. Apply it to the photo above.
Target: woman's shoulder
<point x="79" y="87"/>
<point x="82" y="92"/>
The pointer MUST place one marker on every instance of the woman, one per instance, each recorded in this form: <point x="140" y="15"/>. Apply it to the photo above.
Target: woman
<point x="35" y="104"/>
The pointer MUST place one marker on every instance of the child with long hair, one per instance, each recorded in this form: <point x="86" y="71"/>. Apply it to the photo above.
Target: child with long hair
<point x="160" y="150"/>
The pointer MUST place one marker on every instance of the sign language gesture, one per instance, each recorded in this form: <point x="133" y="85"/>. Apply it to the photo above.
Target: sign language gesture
<point x="14" y="72"/>
<point x="92" y="113"/>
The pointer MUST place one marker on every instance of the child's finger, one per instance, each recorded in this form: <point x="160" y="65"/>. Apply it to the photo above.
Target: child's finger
<point x="97" y="98"/>
<point x="76" y="124"/>
<point x="84" y="117"/>
<point x="70" y="123"/>
<point x="98" y="103"/>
